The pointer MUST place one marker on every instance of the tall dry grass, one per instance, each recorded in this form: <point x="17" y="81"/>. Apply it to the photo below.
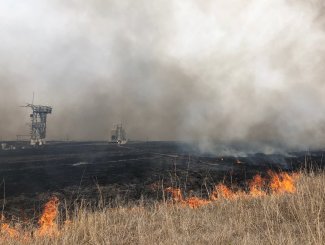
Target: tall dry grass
<point x="278" y="219"/>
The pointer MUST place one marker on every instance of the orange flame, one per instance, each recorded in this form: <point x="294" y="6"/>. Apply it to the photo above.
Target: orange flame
<point x="48" y="227"/>
<point x="195" y="202"/>
<point x="278" y="184"/>
<point x="223" y="191"/>
<point x="7" y="231"/>
<point x="282" y="182"/>
<point x="256" y="186"/>
<point x="176" y="194"/>
<point x="275" y="183"/>
<point x="192" y="202"/>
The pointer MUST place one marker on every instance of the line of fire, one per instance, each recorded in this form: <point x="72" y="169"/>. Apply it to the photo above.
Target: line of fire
<point x="61" y="174"/>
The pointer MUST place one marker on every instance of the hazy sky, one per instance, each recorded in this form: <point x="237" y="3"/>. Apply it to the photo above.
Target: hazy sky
<point x="225" y="70"/>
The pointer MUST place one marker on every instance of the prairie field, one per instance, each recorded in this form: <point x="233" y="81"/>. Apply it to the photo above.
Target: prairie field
<point x="274" y="218"/>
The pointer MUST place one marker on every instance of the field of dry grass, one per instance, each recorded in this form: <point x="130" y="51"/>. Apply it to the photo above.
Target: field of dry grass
<point x="297" y="218"/>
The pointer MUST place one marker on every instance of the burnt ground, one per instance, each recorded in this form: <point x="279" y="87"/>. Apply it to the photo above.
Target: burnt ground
<point x="86" y="170"/>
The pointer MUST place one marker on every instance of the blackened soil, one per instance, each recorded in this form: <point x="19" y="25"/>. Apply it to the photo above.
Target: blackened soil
<point x="87" y="170"/>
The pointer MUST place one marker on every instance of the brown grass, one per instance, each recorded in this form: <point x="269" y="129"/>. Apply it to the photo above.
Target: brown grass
<point x="279" y="219"/>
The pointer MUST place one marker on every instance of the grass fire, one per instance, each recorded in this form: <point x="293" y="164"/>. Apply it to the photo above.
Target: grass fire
<point x="47" y="225"/>
<point x="277" y="203"/>
<point x="162" y="192"/>
<point x="278" y="184"/>
<point x="162" y="122"/>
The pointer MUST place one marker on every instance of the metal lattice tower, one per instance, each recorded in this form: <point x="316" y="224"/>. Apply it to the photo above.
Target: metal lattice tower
<point x="38" y="123"/>
<point x="118" y="135"/>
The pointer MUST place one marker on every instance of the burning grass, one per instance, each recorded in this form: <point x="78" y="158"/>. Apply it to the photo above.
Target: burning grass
<point x="278" y="209"/>
<point x="275" y="184"/>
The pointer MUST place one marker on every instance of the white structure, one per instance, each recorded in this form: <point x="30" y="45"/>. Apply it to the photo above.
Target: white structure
<point x="118" y="135"/>
<point x="38" y="123"/>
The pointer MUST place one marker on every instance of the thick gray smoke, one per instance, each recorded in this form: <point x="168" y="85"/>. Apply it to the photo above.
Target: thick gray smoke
<point x="204" y="71"/>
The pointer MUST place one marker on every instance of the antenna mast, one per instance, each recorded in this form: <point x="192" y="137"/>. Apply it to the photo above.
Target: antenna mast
<point x="38" y="123"/>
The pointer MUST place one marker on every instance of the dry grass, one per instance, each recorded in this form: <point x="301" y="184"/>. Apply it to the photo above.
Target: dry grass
<point x="288" y="219"/>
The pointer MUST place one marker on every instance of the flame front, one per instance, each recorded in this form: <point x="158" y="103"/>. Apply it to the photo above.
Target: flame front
<point x="276" y="183"/>
<point x="47" y="221"/>
<point x="193" y="202"/>
<point x="256" y="186"/>
<point x="7" y="231"/>
<point x="48" y="227"/>
<point x="282" y="183"/>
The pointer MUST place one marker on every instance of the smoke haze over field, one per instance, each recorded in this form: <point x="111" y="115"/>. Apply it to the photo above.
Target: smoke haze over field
<point x="226" y="70"/>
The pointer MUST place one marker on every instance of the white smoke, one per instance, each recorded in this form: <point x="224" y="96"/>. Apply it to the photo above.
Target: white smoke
<point x="206" y="71"/>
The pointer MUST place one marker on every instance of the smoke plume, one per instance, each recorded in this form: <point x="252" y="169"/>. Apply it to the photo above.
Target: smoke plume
<point x="220" y="71"/>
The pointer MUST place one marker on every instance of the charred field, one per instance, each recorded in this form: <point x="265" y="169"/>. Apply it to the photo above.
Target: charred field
<point x="86" y="170"/>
